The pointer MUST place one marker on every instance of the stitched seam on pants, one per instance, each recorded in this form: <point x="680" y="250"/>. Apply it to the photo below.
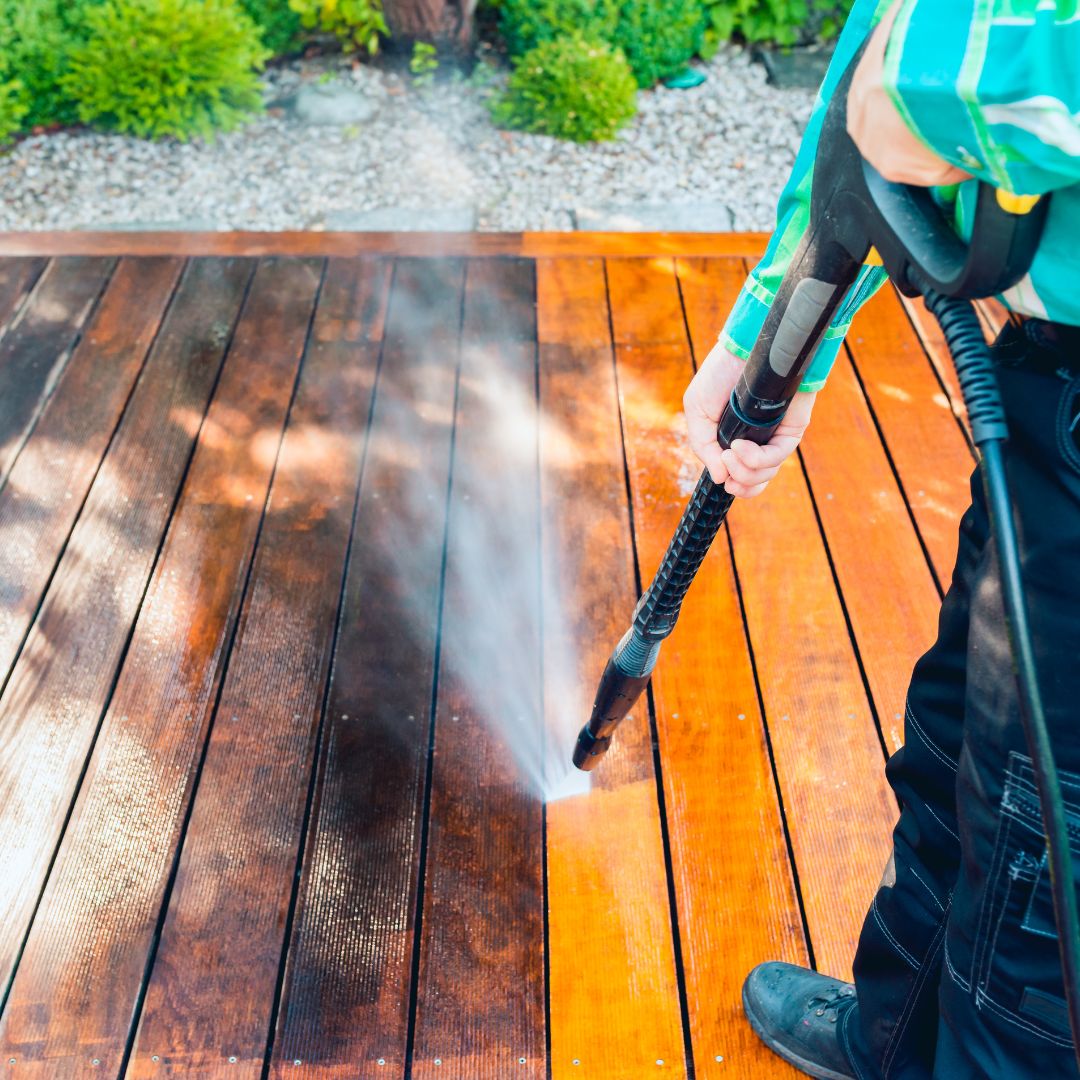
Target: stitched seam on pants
<point x="982" y="931"/>
<point x="847" y="1045"/>
<point x="956" y="976"/>
<point x="930" y="810"/>
<point x="930" y="745"/>
<point x="983" y="999"/>
<point x="908" y="1011"/>
<point x="878" y="918"/>
<point x="933" y="895"/>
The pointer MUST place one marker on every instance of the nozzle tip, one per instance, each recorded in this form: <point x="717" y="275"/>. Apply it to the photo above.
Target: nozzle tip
<point x="589" y="750"/>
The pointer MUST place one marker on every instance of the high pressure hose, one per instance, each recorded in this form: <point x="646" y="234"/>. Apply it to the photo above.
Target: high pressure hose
<point x="986" y="412"/>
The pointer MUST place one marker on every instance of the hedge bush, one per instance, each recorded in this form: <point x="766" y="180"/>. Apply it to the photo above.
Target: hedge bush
<point x="166" y="67"/>
<point x="783" y="22"/>
<point x="36" y="37"/>
<point x="13" y="108"/>
<point x="658" y="37"/>
<point x="569" y="87"/>
<point x="280" y="25"/>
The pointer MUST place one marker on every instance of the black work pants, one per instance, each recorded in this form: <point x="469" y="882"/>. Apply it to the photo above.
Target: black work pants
<point x="957" y="970"/>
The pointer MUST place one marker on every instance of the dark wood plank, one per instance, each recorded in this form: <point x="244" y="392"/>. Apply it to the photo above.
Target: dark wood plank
<point x="17" y="279"/>
<point x="79" y="977"/>
<point x="38" y="343"/>
<point x="480" y="994"/>
<point x="60" y="459"/>
<point x="207" y="1008"/>
<point x="919" y="425"/>
<point x="51" y="707"/>
<point x="345" y="1003"/>
<point x="348" y="244"/>
<point x="733" y="880"/>
<point x="840" y="811"/>
<point x="614" y="991"/>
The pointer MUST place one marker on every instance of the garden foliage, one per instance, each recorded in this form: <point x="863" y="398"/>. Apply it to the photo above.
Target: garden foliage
<point x="358" y="24"/>
<point x="12" y="107"/>
<point x="280" y="25"/>
<point x="569" y="87"/>
<point x="166" y="67"/>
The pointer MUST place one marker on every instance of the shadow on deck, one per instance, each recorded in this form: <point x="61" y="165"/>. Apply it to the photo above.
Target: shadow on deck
<point x="308" y="567"/>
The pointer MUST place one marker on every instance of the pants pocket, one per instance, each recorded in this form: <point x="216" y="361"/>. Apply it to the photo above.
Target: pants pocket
<point x="1018" y="970"/>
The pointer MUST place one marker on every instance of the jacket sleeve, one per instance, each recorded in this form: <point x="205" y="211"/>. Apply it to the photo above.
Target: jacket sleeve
<point x="792" y="218"/>
<point x="992" y="86"/>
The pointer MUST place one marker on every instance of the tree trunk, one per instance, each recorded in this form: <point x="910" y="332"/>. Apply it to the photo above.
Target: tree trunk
<point x="448" y="23"/>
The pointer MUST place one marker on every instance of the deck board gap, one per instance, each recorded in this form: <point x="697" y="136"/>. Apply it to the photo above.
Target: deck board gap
<point x="895" y="471"/>
<point x="844" y="608"/>
<point x="774" y="772"/>
<point x="425" y="821"/>
<point x="136" y="1012"/>
<point x="62" y="362"/>
<point x="316" y="757"/>
<point x="38" y="268"/>
<point x="650" y="706"/>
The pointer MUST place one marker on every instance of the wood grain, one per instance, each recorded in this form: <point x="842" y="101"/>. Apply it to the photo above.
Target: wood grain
<point x="927" y="445"/>
<point x="51" y="707"/>
<point x="350" y="244"/>
<point x="345" y="1002"/>
<point x="38" y="343"/>
<point x="840" y="811"/>
<point x="74" y="993"/>
<point x="480" y="994"/>
<point x="733" y="881"/>
<point x="208" y="1004"/>
<point x="614" y="993"/>
<point x="60" y="459"/>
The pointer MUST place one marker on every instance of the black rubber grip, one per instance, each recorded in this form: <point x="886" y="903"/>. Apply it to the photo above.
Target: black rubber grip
<point x="658" y="610"/>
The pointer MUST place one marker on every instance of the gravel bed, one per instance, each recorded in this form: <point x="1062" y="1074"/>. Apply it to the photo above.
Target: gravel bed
<point x="724" y="149"/>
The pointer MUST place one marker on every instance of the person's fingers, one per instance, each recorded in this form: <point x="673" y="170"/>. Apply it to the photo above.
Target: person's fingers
<point x="744" y="474"/>
<point x="701" y="429"/>
<point x="743" y="491"/>
<point x="769" y="456"/>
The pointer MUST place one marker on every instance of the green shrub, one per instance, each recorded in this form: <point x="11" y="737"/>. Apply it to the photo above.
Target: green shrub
<point x="423" y="63"/>
<point x="572" y="88"/>
<point x="784" y="22"/>
<point x="657" y="36"/>
<point x="358" y="23"/>
<point x="280" y="25"/>
<point x="13" y="108"/>
<point x="36" y="39"/>
<point x="167" y="67"/>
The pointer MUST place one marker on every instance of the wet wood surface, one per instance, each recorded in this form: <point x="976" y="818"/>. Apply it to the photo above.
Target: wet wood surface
<point x="310" y="565"/>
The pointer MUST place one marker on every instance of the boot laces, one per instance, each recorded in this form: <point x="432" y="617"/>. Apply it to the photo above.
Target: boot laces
<point x="831" y="1002"/>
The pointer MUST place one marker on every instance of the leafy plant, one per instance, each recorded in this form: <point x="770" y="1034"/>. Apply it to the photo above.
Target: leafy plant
<point x="658" y="37"/>
<point x="13" y="108"/>
<point x="424" y="63"/>
<point x="166" y="67"/>
<point x="35" y="41"/>
<point x="280" y="25"/>
<point x="784" y="22"/>
<point x="358" y="24"/>
<point x="570" y="87"/>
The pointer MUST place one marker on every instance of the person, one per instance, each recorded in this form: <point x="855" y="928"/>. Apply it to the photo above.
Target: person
<point x="956" y="973"/>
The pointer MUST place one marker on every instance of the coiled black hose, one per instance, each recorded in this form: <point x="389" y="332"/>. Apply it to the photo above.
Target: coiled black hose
<point x="986" y="412"/>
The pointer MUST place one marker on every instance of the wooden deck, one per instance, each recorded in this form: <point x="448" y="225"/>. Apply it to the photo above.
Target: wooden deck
<point x="283" y="540"/>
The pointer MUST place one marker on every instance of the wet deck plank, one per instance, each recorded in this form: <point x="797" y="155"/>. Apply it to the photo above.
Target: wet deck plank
<point x="424" y="914"/>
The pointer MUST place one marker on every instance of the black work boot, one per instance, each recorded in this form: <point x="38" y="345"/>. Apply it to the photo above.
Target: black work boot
<point x="797" y="1014"/>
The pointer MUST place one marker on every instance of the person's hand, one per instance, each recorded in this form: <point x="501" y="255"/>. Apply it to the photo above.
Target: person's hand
<point x="746" y="468"/>
<point x="878" y="129"/>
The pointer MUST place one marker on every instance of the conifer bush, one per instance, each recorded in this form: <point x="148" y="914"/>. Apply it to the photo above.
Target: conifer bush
<point x="569" y="87"/>
<point x="280" y="25"/>
<point x="158" y="68"/>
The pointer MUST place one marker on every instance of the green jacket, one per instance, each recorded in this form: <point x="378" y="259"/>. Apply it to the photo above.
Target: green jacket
<point x="992" y="86"/>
